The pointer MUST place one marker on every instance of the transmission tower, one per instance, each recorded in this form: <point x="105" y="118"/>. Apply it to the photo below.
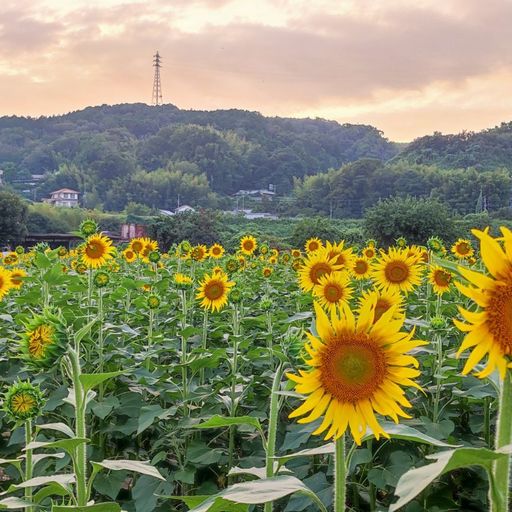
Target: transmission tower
<point x="156" y="98"/>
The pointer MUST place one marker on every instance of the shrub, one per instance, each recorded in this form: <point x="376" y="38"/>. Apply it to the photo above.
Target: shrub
<point x="414" y="219"/>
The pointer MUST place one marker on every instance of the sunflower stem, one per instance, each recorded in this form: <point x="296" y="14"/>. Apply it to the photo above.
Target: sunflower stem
<point x="80" y="460"/>
<point x="234" y="378"/>
<point x="29" y="466"/>
<point x="184" y="370"/>
<point x="340" y="476"/>
<point x="272" y="429"/>
<point x="150" y="337"/>
<point x="203" y="344"/>
<point x="501" y="468"/>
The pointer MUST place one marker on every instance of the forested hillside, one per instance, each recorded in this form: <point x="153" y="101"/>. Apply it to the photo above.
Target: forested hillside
<point x="485" y="150"/>
<point x="119" y="154"/>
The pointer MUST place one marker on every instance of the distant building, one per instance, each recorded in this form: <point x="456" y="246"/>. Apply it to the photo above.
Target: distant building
<point x="64" y="197"/>
<point x="184" y="209"/>
<point x="129" y="231"/>
<point x="258" y="195"/>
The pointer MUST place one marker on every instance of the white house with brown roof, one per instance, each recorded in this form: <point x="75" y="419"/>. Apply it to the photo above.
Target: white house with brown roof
<point x="64" y="197"/>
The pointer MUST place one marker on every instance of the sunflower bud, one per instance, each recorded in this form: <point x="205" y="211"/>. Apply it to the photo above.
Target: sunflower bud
<point x="182" y="282"/>
<point x="154" y="256"/>
<point x="153" y="301"/>
<point x="101" y="279"/>
<point x="23" y="401"/>
<point x="88" y="227"/>
<point x="438" y="322"/>
<point x="44" y="341"/>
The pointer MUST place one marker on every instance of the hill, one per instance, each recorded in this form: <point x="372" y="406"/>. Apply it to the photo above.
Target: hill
<point x="485" y="150"/>
<point x="137" y="153"/>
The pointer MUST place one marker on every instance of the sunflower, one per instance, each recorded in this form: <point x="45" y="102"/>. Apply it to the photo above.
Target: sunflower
<point x="213" y="291"/>
<point x="248" y="245"/>
<point x="266" y="272"/>
<point x="383" y="301"/>
<point x="369" y="252"/>
<point x="199" y="252"/>
<point x="137" y="244"/>
<point x="97" y="251"/>
<point x="23" y="401"/>
<point x="361" y="268"/>
<point x="129" y="255"/>
<point x="356" y="368"/>
<point x="149" y="247"/>
<point x="420" y="254"/>
<point x="316" y="265"/>
<point x="440" y="279"/>
<point x="182" y="281"/>
<point x="5" y="281"/>
<point x="217" y="270"/>
<point x="333" y="290"/>
<point x="396" y="271"/>
<point x="489" y="331"/>
<point x="44" y="340"/>
<point x="401" y="242"/>
<point x="216" y="251"/>
<point x="313" y="244"/>
<point x="463" y="249"/>
<point x="343" y="257"/>
<point x="296" y="253"/>
<point x="435" y="244"/>
<point x="17" y="277"/>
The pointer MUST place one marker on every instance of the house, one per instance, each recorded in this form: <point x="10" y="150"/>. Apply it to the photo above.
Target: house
<point x="184" y="209"/>
<point x="64" y="197"/>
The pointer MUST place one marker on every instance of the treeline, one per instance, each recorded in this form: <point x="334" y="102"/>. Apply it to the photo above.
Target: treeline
<point x="485" y="150"/>
<point x="348" y="191"/>
<point x="109" y="152"/>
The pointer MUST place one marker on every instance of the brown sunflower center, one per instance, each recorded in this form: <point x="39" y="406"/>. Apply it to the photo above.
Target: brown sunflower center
<point x="369" y="253"/>
<point x="352" y="367"/>
<point x="361" y="267"/>
<point x="15" y="279"/>
<point x="318" y="270"/>
<point x="381" y="307"/>
<point x="313" y="245"/>
<point x="2" y="283"/>
<point x="216" y="251"/>
<point x="137" y="246"/>
<point x="396" y="271"/>
<point x="95" y="249"/>
<point x="333" y="292"/>
<point x="499" y="316"/>
<point x="248" y="245"/>
<point x="442" y="278"/>
<point x="463" y="248"/>
<point x="214" y="290"/>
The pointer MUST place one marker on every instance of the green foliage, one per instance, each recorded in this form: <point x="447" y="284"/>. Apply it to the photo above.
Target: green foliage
<point x="196" y="227"/>
<point x="414" y="219"/>
<point x="13" y="218"/>
<point x="104" y="152"/>
<point x="489" y="149"/>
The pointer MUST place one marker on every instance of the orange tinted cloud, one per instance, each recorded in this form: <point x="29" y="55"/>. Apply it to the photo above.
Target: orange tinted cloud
<point x="408" y="69"/>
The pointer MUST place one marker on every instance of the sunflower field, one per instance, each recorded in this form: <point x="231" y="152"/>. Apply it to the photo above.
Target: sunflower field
<point x="325" y="378"/>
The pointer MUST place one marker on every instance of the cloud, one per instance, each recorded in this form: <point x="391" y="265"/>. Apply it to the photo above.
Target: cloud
<point x="281" y="58"/>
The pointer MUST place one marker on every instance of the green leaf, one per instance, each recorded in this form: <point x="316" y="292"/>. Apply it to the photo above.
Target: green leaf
<point x="13" y="503"/>
<point x="91" y="380"/>
<point x="401" y="431"/>
<point x="53" y="489"/>
<point x="138" y="466"/>
<point x="44" y="480"/>
<point x="260" y="491"/>
<point x="59" y="427"/>
<point x="326" y="449"/>
<point x="98" y="507"/>
<point x="14" y="462"/>
<point x="257" y="472"/>
<point x="69" y="445"/>
<point x="149" y="413"/>
<point x="220" y="506"/>
<point x="84" y="331"/>
<point x="416" y="480"/>
<point x="221" y="421"/>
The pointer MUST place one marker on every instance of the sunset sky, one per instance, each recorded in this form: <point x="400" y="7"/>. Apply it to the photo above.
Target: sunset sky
<point x="407" y="67"/>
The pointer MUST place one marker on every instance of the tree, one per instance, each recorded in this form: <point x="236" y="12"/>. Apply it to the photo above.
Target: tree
<point x="13" y="218"/>
<point x="415" y="219"/>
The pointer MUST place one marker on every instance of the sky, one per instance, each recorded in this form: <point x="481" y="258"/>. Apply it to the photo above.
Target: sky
<point x="407" y="67"/>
